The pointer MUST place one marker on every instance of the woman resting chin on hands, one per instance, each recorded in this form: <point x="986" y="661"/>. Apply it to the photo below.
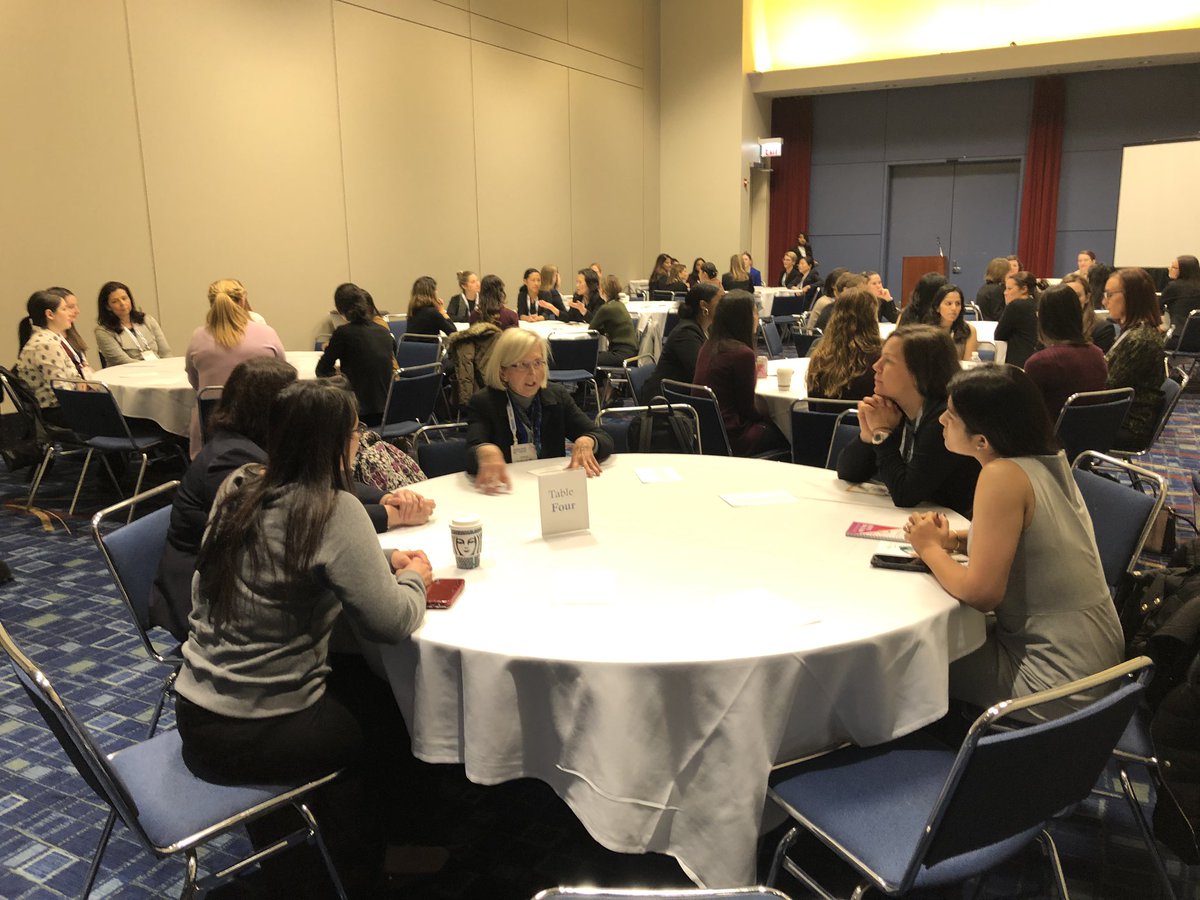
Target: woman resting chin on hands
<point x="1033" y="560"/>
<point x="520" y="416"/>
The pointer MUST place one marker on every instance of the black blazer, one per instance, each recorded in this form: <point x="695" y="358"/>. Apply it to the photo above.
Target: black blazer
<point x="1018" y="326"/>
<point x="427" y="320"/>
<point x="487" y="423"/>
<point x="933" y="473"/>
<point x="366" y="352"/>
<point x="677" y="361"/>
<point x="790" y="279"/>
<point x="460" y="308"/>
<point x="526" y="306"/>
<point x="990" y="300"/>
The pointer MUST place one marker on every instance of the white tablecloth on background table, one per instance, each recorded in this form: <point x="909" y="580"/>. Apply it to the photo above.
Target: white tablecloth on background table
<point x="651" y="322"/>
<point x="158" y="389"/>
<point x="984" y="330"/>
<point x="653" y="669"/>
<point x="766" y="297"/>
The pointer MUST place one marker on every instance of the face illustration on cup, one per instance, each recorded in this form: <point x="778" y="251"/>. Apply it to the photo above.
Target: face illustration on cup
<point x="784" y="376"/>
<point x="466" y="536"/>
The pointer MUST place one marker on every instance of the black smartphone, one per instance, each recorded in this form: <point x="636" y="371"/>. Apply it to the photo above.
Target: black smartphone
<point x="900" y="563"/>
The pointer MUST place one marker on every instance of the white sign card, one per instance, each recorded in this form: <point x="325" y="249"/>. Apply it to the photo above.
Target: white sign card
<point x="564" y="499"/>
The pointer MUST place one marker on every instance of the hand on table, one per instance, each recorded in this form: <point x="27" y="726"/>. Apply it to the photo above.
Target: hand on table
<point x="413" y="561"/>
<point x="407" y="508"/>
<point x="583" y="456"/>
<point x="492" y="476"/>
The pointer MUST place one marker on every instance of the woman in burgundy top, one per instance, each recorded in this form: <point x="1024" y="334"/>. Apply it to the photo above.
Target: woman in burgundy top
<point x="726" y="364"/>
<point x="1070" y="363"/>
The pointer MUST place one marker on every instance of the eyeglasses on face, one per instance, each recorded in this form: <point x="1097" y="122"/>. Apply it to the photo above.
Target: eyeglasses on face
<point x="1108" y="295"/>
<point x="535" y="365"/>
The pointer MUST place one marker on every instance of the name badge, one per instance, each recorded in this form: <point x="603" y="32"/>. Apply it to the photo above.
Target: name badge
<point x="524" y="453"/>
<point x="149" y="354"/>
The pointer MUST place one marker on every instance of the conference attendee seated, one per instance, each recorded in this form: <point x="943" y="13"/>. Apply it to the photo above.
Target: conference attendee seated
<point x="426" y="310"/>
<point x="710" y="275"/>
<point x="521" y="415"/>
<point x="990" y="296"/>
<point x="531" y="306"/>
<point x="755" y="275"/>
<point x="586" y="300"/>
<point x="47" y="355"/>
<point x="790" y="277"/>
<point x="846" y="281"/>
<point x="74" y="338"/>
<point x="551" y="282"/>
<point x="660" y="275"/>
<point x="1018" y="322"/>
<point x="462" y="304"/>
<point x="738" y="276"/>
<point x="364" y="349"/>
<point x="238" y="435"/>
<point x="920" y="302"/>
<point x="693" y="278"/>
<point x="900" y="429"/>
<point x="677" y="362"/>
<point x="726" y="364"/>
<point x="491" y="308"/>
<point x="1032" y="557"/>
<point x="1136" y="359"/>
<point x="677" y="283"/>
<point x="1181" y="296"/>
<point x="1099" y="330"/>
<point x="946" y="311"/>
<point x="613" y="322"/>
<point x="840" y="365"/>
<point x="1070" y="363"/>
<point x="1084" y="260"/>
<point x="261" y="695"/>
<point x="887" y="306"/>
<point x="124" y="333"/>
<point x="828" y="292"/>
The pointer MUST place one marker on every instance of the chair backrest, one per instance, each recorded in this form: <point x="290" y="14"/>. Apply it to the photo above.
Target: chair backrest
<point x="91" y="413"/>
<point x="83" y="752"/>
<point x="1122" y="515"/>
<point x="812" y="433"/>
<point x="804" y="342"/>
<point x="1090" y="420"/>
<point x="637" y="373"/>
<point x="662" y="295"/>
<point x="770" y="333"/>
<point x="971" y="313"/>
<point x="132" y="553"/>
<point x="1189" y="335"/>
<point x="845" y="432"/>
<point x="441" y="449"/>
<point x="418" y="349"/>
<point x="713" y="439"/>
<point x="670" y="323"/>
<point x="616" y="421"/>
<point x="574" y="353"/>
<point x="986" y="351"/>
<point x="1172" y="389"/>
<point x="1010" y="783"/>
<point x="788" y="305"/>
<point x="398" y="328"/>
<point x="207" y="399"/>
<point x="412" y="394"/>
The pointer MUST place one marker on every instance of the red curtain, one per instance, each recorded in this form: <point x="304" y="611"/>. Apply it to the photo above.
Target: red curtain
<point x="791" y="119"/>
<point x="1043" y="163"/>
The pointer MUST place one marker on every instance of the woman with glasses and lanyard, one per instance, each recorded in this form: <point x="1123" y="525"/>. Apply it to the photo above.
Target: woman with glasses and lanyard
<point x="1136" y="359"/>
<point x="125" y="334"/>
<point x="521" y="416"/>
<point x="48" y="355"/>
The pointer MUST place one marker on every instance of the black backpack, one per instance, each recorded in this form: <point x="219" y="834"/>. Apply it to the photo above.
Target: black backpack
<point x="661" y="428"/>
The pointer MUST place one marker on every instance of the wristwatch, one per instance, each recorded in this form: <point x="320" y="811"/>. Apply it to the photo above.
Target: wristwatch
<point x="879" y="435"/>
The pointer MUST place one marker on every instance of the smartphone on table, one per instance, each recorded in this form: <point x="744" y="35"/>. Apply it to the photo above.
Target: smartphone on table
<point x="443" y="592"/>
<point x="899" y="563"/>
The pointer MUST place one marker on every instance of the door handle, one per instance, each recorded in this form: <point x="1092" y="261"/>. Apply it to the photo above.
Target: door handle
<point x="955" y="268"/>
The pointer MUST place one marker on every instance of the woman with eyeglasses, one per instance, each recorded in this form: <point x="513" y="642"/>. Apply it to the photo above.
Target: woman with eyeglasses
<point x="1136" y="359"/>
<point x="521" y="416"/>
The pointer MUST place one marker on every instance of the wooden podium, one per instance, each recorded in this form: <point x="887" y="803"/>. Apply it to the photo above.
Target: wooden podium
<point x="913" y="268"/>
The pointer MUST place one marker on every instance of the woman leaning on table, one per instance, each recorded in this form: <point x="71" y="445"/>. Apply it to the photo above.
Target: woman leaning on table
<point x="900" y="430"/>
<point x="124" y="333"/>
<point x="520" y="415"/>
<point x="1032" y="557"/>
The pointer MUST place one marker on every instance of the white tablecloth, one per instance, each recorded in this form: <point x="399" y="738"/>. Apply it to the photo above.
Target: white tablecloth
<point x="651" y="322"/>
<point x="766" y="297"/>
<point x="653" y="669"/>
<point x="158" y="389"/>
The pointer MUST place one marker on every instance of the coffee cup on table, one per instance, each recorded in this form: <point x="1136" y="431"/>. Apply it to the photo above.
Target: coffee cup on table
<point x="783" y="375"/>
<point x="466" y="536"/>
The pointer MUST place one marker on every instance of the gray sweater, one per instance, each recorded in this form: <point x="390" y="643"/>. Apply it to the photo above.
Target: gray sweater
<point x="271" y="660"/>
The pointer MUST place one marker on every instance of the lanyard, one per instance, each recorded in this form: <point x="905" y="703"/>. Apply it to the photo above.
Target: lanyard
<point x="73" y="356"/>
<point x="519" y="432"/>
<point x="137" y="338"/>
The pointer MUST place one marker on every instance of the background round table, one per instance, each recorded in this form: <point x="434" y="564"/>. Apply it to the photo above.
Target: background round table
<point x="654" y="668"/>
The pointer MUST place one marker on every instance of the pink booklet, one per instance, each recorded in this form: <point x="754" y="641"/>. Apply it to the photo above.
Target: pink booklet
<point x="877" y="532"/>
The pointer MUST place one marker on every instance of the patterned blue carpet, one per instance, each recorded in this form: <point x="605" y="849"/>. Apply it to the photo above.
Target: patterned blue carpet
<point x="506" y="842"/>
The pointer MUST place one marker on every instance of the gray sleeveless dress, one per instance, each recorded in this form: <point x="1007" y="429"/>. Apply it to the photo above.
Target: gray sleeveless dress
<point x="1056" y="622"/>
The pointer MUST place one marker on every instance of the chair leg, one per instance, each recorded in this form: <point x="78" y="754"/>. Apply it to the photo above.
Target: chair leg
<point x="93" y="870"/>
<point x="1051" y="850"/>
<point x="191" y="889"/>
<point x="137" y="487"/>
<point x="87" y="461"/>
<point x="39" y="474"/>
<point x="316" y="834"/>
<point x="168" y="686"/>
<point x="785" y="844"/>
<point x="1139" y="817"/>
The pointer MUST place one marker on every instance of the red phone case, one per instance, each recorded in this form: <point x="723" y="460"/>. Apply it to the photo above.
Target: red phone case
<point x="443" y="592"/>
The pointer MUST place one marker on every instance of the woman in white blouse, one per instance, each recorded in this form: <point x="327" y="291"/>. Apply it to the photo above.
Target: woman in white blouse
<point x="47" y="355"/>
<point x="125" y="334"/>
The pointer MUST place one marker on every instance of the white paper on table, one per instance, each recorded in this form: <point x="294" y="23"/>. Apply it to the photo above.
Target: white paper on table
<point x="759" y="498"/>
<point x="657" y="474"/>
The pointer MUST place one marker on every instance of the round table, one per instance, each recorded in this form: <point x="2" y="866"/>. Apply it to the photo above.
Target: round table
<point x="714" y="620"/>
<point x="158" y="389"/>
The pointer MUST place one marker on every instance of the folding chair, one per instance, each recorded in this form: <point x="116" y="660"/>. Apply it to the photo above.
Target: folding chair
<point x="1172" y="390"/>
<point x="96" y="418"/>
<point x="746" y="893"/>
<point x="437" y="452"/>
<point x="670" y="323"/>
<point x="616" y="421"/>
<point x="132" y="553"/>
<point x="713" y="439"/>
<point x="913" y="814"/>
<point x="986" y="351"/>
<point x="207" y="399"/>
<point x="573" y="361"/>
<point x="812" y="432"/>
<point x="637" y="374"/>
<point x="845" y="432"/>
<point x="167" y="807"/>
<point x="971" y="313"/>
<point x="787" y="309"/>
<point x="40" y="440"/>
<point x="418" y="349"/>
<point x="805" y="341"/>
<point x="411" y="398"/>
<point x="1188" y="346"/>
<point x="1090" y="420"/>
<point x="398" y="328"/>
<point x="770" y="336"/>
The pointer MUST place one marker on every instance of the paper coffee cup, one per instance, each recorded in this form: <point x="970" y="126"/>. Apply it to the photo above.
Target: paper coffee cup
<point x="466" y="537"/>
<point x="784" y="376"/>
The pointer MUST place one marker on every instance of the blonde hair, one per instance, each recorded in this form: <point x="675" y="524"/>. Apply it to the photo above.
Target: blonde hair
<point x="737" y="268"/>
<point x="226" y="320"/>
<point x="463" y="277"/>
<point x="233" y="288"/>
<point x="549" y="277"/>
<point x="512" y="345"/>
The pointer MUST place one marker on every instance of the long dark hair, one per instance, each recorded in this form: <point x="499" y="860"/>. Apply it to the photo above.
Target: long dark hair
<point x="1189" y="268"/>
<point x="491" y="299"/>
<point x="922" y="296"/>
<point x="930" y="356"/>
<point x="959" y="329"/>
<point x="733" y="322"/>
<point x="308" y="464"/>
<point x="74" y="338"/>
<point x="107" y="317"/>
<point x="40" y="303"/>
<point x="1060" y="317"/>
<point x="593" y="300"/>
<point x="246" y="399"/>
<point x="1004" y="405"/>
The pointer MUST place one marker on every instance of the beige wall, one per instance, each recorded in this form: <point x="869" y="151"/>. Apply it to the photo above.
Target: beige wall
<point x="298" y="144"/>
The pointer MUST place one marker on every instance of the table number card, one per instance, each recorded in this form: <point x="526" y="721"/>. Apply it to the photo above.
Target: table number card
<point x="564" y="499"/>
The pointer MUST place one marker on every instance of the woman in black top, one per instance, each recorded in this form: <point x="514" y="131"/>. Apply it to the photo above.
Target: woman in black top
<point x="1100" y="331"/>
<point x="426" y="311"/>
<point x="990" y="297"/>
<point x="694" y="278"/>
<point x="921" y="300"/>
<point x="532" y="305"/>
<point x="583" y="305"/>
<point x="1180" y="297"/>
<point x="738" y="276"/>
<point x="677" y="361"/>
<point x="791" y="276"/>
<point x="366" y="352"/>
<point x="463" y="303"/>
<point x="677" y="282"/>
<point x="550" y="289"/>
<point x="1018" y="324"/>
<point x="660" y="275"/>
